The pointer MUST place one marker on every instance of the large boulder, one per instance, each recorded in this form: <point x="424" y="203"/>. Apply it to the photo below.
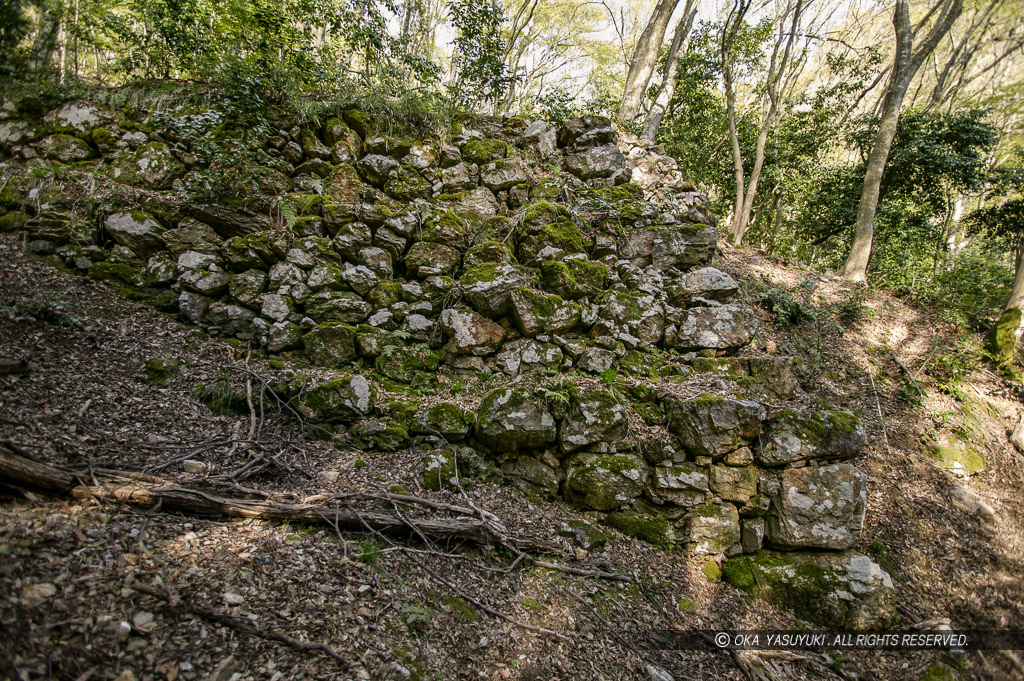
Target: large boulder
<point x="708" y="283"/>
<point x="595" y="420"/>
<point x="669" y="246"/>
<point x="331" y="345"/>
<point x="791" y="436"/>
<point x="471" y="333"/>
<point x="712" y="528"/>
<point x="346" y="398"/>
<point x="65" y="148"/>
<point x="714" y="426"/>
<point x="151" y="166"/>
<point x="842" y="590"/>
<point x="818" y="507"/>
<point x="685" y="484"/>
<point x="510" y="419"/>
<point x="726" y="327"/>
<point x="605" y="161"/>
<point x="136" y="231"/>
<point x="604" y="482"/>
<point x="536" y="312"/>
<point x="488" y="287"/>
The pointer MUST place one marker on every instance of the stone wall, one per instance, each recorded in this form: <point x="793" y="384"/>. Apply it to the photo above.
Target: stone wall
<point x="563" y="276"/>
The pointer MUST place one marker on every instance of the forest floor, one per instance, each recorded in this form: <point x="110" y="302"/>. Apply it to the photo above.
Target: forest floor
<point x="398" y="610"/>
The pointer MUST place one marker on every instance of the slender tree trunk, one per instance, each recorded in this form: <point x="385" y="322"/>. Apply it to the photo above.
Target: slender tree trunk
<point x="1001" y="340"/>
<point x="645" y="58"/>
<point x="905" y="65"/>
<point x="680" y="46"/>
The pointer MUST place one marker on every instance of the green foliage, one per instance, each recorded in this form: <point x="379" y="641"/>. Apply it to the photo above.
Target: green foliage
<point x="482" y="75"/>
<point x="787" y="309"/>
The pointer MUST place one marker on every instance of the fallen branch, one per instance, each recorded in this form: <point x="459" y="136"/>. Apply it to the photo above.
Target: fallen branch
<point x="17" y="471"/>
<point x="240" y="625"/>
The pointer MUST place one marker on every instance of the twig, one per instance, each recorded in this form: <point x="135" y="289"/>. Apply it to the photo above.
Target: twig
<point x="244" y="627"/>
<point x="878" y="406"/>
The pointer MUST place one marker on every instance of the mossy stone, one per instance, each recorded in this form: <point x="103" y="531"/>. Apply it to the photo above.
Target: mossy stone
<point x="403" y="364"/>
<point x="484" y="151"/>
<point x="653" y="530"/>
<point x="957" y="456"/>
<point x="543" y="213"/>
<point x="160" y="370"/>
<point x="331" y="345"/>
<point x="107" y="271"/>
<point x="605" y="482"/>
<point x="386" y="435"/>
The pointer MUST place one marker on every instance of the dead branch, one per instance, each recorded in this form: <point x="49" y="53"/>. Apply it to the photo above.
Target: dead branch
<point x="242" y="626"/>
<point x="17" y="471"/>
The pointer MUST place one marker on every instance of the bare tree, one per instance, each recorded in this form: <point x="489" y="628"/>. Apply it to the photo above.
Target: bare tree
<point x="779" y="75"/>
<point x="906" y="63"/>
<point x="667" y="89"/>
<point x="645" y="59"/>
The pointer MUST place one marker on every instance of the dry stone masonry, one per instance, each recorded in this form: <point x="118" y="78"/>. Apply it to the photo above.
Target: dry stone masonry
<point x="563" y="277"/>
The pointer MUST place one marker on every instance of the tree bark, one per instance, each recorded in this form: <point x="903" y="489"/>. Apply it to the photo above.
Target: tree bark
<point x="680" y="46"/>
<point x="905" y="65"/>
<point x="645" y="58"/>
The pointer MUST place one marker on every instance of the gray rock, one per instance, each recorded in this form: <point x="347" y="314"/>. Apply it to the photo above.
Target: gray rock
<point x="232" y="320"/>
<point x="285" y="274"/>
<point x="734" y="483"/>
<point x="818" y="507"/>
<point x="337" y="306"/>
<point x="81" y="116"/>
<point x="751" y="534"/>
<point x="596" y="360"/>
<point x="65" y="148"/>
<point x="510" y="419"/>
<point x="470" y="333"/>
<point x="712" y="528"/>
<point x="194" y="260"/>
<point x="791" y="436"/>
<point x="151" y="166"/>
<point x="685" y="484"/>
<point x="276" y="307"/>
<point x="605" y="482"/>
<point x="713" y="426"/>
<point x="212" y="283"/>
<point x="426" y="259"/>
<point x="377" y="169"/>
<point x="726" y="327"/>
<point x="192" y="235"/>
<point x="602" y="161"/>
<point x="193" y="306"/>
<point x="532" y="475"/>
<point x="526" y="355"/>
<point x="159" y="271"/>
<point x="505" y="174"/>
<point x="136" y="231"/>
<point x="331" y="345"/>
<point x="489" y="287"/>
<point x="360" y="278"/>
<point x="838" y="590"/>
<point x="247" y="287"/>
<point x="710" y="284"/>
<point x="284" y="336"/>
<point x="456" y="179"/>
<point x="595" y="420"/>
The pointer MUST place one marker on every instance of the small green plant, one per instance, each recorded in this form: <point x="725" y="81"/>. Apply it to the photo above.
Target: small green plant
<point x="788" y="310"/>
<point x="852" y="309"/>
<point x="371" y="552"/>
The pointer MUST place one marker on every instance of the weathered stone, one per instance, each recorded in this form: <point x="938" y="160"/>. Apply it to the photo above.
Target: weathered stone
<point x="151" y="166"/>
<point x="194" y="260"/>
<point x="137" y="231"/>
<point x="639" y="315"/>
<point x="331" y="345"/>
<point x="501" y="175"/>
<point x="537" y="312"/>
<point x="510" y="419"/>
<point x="160" y="370"/>
<point x="213" y="283"/>
<point x="484" y="151"/>
<point x="192" y="235"/>
<point x="726" y="327"/>
<point x="337" y="306"/>
<point x="247" y="287"/>
<point x="751" y="534"/>
<point x="344" y="399"/>
<point x="476" y="205"/>
<point x="360" y="278"/>
<point x="159" y="271"/>
<point x="734" y="483"/>
<point x="712" y="528"/>
<point x="65" y="148"/>
<point x="525" y="355"/>
<point x="377" y="169"/>
<point x="605" y="161"/>
<point x="406" y="185"/>
<point x="231" y="221"/>
<point x="714" y="426"/>
<point x="456" y="179"/>
<point x="574" y="278"/>
<point x="710" y="284"/>
<point x="448" y="420"/>
<point x="543" y="135"/>
<point x="231" y="320"/>
<point x="595" y="420"/>
<point x="193" y="306"/>
<point x="284" y="336"/>
<point x="470" y="333"/>
<point x="843" y="590"/>
<point x="573" y="128"/>
<point x="818" y="507"/>
<point x="791" y="436"/>
<point x="426" y="259"/>
<point x="671" y="246"/>
<point x="596" y="360"/>
<point x="768" y="377"/>
<point x="956" y="456"/>
<point x="81" y="116"/>
<point x="685" y="484"/>
<point x="532" y="475"/>
<point x="488" y="288"/>
<point x="604" y="482"/>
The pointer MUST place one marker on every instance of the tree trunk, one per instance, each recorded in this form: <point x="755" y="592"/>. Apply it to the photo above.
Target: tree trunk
<point x="645" y="58"/>
<point x="1001" y="340"/>
<point x="680" y="46"/>
<point x="905" y="66"/>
